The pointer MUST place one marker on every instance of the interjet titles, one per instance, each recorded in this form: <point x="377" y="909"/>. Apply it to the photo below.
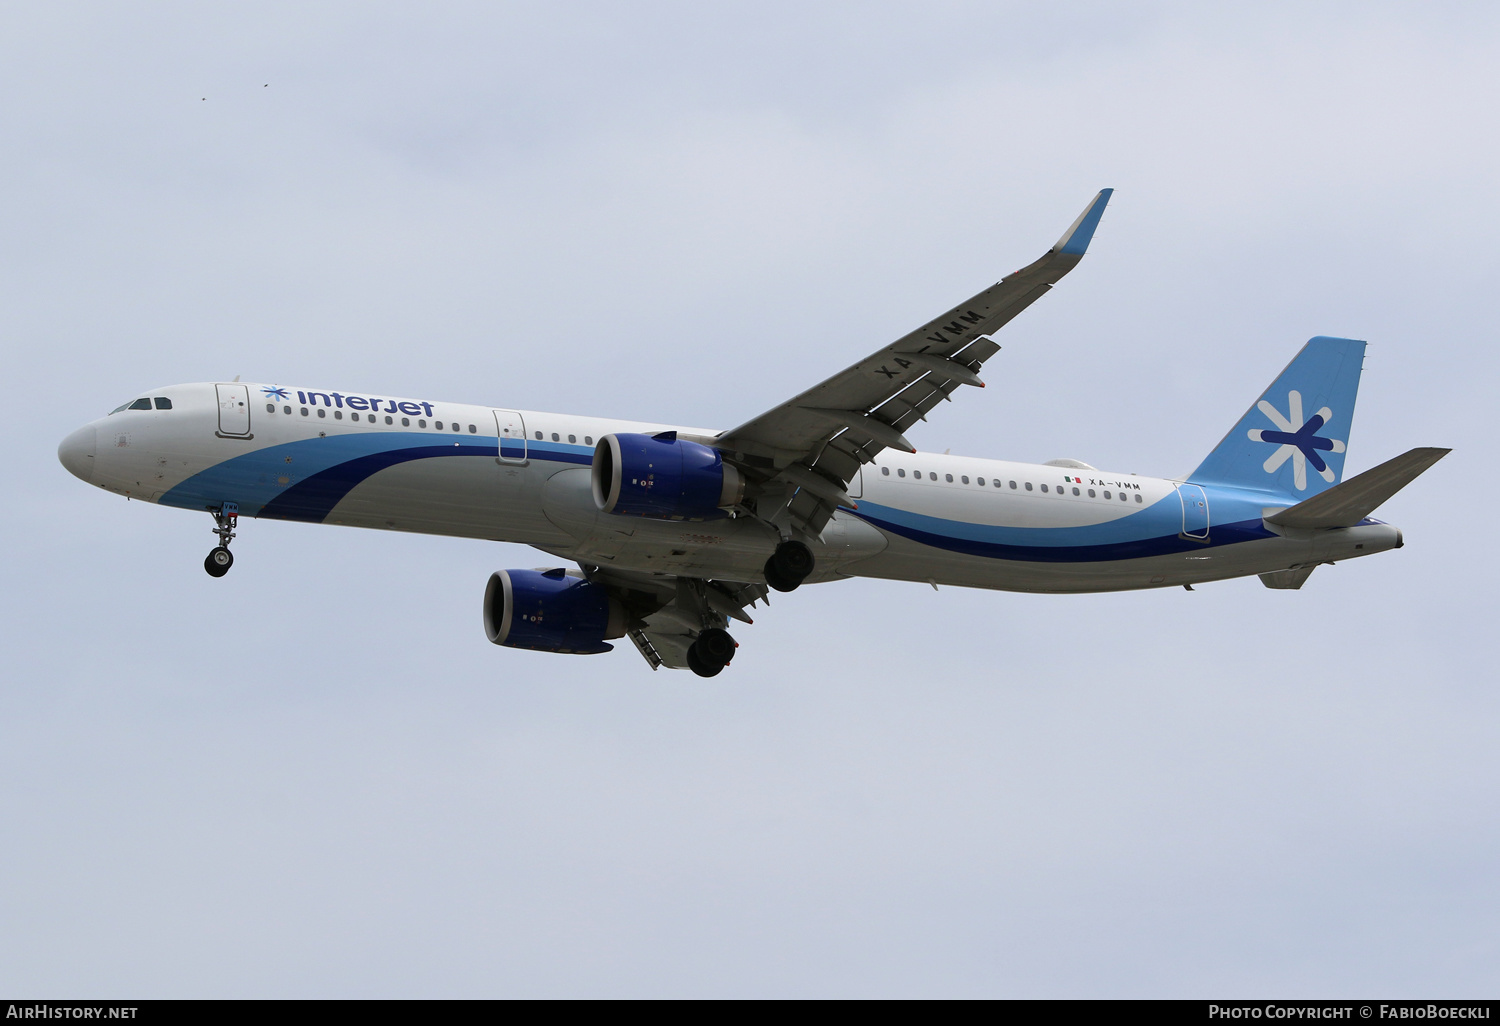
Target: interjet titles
<point x="357" y="402"/>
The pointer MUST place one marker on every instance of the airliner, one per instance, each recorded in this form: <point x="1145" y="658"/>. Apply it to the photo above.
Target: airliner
<point x="674" y="531"/>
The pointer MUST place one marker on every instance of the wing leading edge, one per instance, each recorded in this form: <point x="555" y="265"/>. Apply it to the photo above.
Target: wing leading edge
<point x="805" y="452"/>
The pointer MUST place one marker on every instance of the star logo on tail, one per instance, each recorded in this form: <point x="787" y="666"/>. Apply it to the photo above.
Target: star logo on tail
<point x="1302" y="445"/>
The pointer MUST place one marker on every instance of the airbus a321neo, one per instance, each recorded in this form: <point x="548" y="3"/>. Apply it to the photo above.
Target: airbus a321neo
<point x="676" y="530"/>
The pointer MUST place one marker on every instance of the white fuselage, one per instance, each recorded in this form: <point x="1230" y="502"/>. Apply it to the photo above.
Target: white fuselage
<point x="524" y="476"/>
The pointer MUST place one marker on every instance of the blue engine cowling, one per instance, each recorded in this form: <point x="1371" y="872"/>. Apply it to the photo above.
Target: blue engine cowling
<point x="664" y="477"/>
<point x="550" y="611"/>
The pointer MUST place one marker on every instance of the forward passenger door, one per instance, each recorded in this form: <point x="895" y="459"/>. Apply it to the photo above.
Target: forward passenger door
<point x="511" y="428"/>
<point x="234" y="410"/>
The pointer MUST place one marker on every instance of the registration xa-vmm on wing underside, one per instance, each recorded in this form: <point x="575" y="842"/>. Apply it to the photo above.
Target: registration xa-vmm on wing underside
<point x="675" y="531"/>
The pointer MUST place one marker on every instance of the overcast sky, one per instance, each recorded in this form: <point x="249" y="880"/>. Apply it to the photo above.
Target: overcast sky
<point x="315" y="777"/>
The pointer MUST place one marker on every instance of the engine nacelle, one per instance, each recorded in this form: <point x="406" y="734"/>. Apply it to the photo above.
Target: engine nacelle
<point x="551" y="611"/>
<point x="664" y="477"/>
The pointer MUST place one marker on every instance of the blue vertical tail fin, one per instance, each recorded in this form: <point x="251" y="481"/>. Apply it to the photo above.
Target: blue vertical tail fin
<point x="1292" y="441"/>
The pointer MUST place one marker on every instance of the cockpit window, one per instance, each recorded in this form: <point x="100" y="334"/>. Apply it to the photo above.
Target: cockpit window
<point x="162" y="403"/>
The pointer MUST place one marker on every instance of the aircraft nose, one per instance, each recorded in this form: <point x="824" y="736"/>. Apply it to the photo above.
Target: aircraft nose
<point x="77" y="453"/>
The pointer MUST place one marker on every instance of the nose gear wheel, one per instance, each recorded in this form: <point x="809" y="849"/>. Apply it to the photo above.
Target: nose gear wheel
<point x="218" y="562"/>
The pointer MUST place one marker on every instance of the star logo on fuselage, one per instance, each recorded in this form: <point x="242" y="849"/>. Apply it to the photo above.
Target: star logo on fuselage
<point x="274" y="393"/>
<point x="1302" y="445"/>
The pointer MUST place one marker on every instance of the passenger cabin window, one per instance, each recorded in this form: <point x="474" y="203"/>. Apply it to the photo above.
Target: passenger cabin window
<point x="438" y="424"/>
<point x="1028" y="486"/>
<point x="588" y="439"/>
<point x="1107" y="495"/>
<point x="1075" y="491"/>
<point x="421" y="423"/>
<point x="1044" y="487"/>
<point x="388" y="420"/>
<point x="473" y="429"/>
<point x="304" y="411"/>
<point x="885" y="471"/>
<point x="555" y="437"/>
<point x="979" y="481"/>
<point x="965" y="479"/>
<point x="948" y="478"/>
<point x="287" y="410"/>
<point x="932" y="475"/>
<point x="1091" y="493"/>
<point x="538" y="436"/>
<point x="1013" y="484"/>
<point x="572" y="439"/>
<point x="270" y="407"/>
<point x="338" y="414"/>
<point x="1137" y="496"/>
<point x="901" y="473"/>
<point x="322" y="412"/>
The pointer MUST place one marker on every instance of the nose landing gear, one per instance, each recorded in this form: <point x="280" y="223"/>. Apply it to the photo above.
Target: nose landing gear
<point x="218" y="562"/>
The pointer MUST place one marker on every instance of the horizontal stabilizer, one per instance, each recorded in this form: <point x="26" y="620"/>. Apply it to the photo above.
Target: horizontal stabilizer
<point x="1287" y="580"/>
<point x="1346" y="504"/>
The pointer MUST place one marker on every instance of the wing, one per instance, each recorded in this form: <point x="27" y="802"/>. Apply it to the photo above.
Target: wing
<point x="804" y="453"/>
<point x="668" y="612"/>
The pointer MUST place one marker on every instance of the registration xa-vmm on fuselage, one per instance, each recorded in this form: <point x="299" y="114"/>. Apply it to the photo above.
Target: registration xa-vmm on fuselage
<point x="675" y="531"/>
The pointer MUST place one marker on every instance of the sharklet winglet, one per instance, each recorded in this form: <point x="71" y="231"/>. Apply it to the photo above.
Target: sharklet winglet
<point x="1076" y="239"/>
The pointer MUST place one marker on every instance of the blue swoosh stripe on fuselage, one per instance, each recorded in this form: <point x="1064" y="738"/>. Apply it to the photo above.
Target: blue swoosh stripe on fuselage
<point x="312" y="499"/>
<point x="1136" y="536"/>
<point x="560" y="452"/>
<point x="327" y="469"/>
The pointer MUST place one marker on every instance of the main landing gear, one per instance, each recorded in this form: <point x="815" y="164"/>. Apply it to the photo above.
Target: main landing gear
<point x="711" y="652"/>
<point x="713" y="648"/>
<point x="789" y="566"/>
<point x="221" y="559"/>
